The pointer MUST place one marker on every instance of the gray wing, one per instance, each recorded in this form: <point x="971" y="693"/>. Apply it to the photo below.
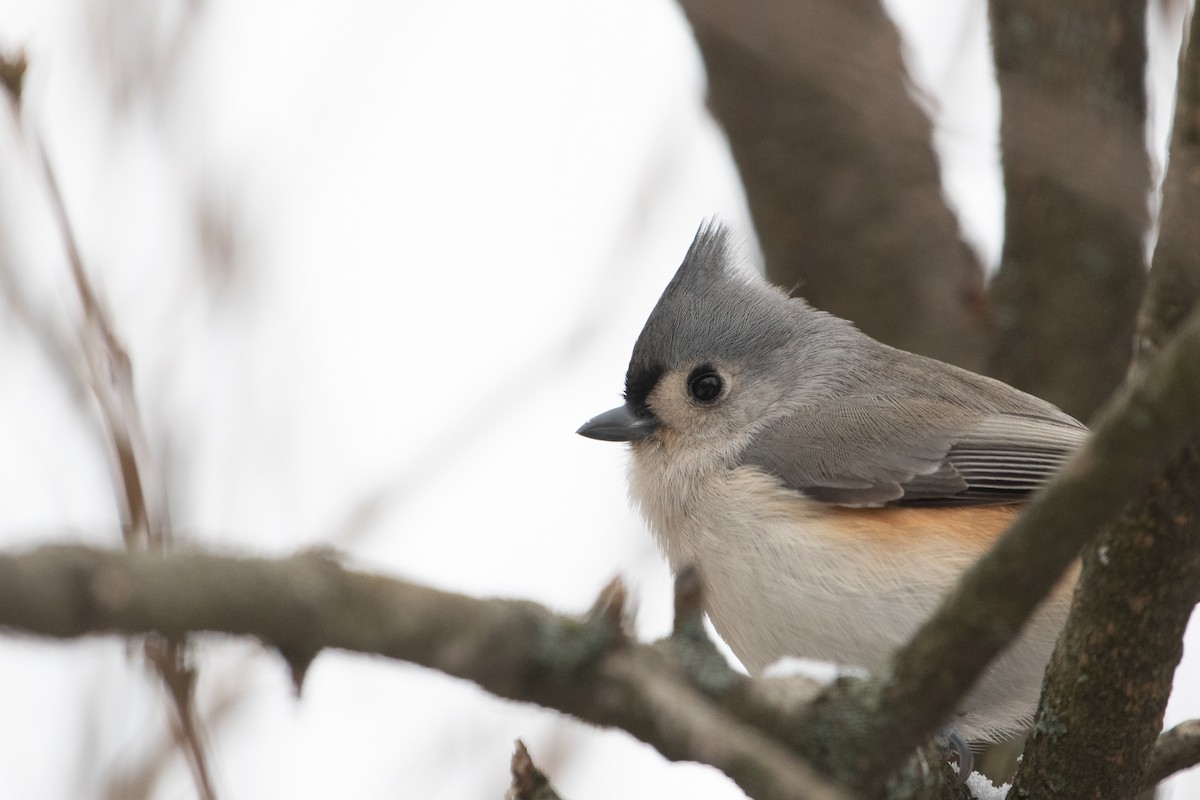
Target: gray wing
<point x="864" y="452"/>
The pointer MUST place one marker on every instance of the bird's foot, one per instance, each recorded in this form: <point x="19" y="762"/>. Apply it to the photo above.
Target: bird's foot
<point x="950" y="741"/>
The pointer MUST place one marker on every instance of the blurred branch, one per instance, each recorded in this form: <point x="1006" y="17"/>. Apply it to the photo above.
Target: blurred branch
<point x="513" y="649"/>
<point x="518" y="650"/>
<point x="172" y="661"/>
<point x="528" y="782"/>
<point x="867" y="729"/>
<point x="1077" y="182"/>
<point x="138" y="48"/>
<point x="1113" y="668"/>
<point x="138" y="780"/>
<point x="42" y="326"/>
<point x="839" y="168"/>
<point x="859" y="732"/>
<point x="110" y="377"/>
<point x="12" y="76"/>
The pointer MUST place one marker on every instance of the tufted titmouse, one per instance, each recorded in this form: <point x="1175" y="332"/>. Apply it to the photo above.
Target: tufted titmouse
<point x="829" y="489"/>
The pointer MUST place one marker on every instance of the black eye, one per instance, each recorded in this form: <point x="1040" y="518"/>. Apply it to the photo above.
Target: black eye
<point x="705" y="385"/>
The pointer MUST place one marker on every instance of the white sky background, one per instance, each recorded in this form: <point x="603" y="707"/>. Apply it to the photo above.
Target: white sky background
<point x="455" y="219"/>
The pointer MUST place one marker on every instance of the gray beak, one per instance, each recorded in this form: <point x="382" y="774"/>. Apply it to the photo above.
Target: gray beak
<point x="619" y="425"/>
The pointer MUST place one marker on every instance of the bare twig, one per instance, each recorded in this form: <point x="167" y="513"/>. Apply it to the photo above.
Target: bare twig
<point x="110" y="375"/>
<point x="137" y="781"/>
<point x="171" y="660"/>
<point x="144" y="524"/>
<point x="57" y="345"/>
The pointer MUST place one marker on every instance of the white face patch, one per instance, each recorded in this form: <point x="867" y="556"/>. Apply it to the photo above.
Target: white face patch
<point x="683" y="415"/>
<point x="712" y="433"/>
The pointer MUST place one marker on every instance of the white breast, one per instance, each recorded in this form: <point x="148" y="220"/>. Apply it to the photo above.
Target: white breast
<point x="781" y="580"/>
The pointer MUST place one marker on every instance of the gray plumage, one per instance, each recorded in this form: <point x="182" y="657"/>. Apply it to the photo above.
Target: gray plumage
<point x="756" y="421"/>
<point x="850" y="421"/>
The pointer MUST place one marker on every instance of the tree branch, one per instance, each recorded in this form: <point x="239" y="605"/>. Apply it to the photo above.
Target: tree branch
<point x="1177" y="749"/>
<point x="1113" y="667"/>
<point x="836" y="155"/>
<point x="517" y="650"/>
<point x="109" y="373"/>
<point x="528" y="782"/>
<point x="1072" y="95"/>
<point x="1174" y="287"/>
<point x="868" y="729"/>
<point x="588" y="669"/>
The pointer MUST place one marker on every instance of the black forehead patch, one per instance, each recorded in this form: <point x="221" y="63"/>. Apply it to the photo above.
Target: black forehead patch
<point x="639" y="383"/>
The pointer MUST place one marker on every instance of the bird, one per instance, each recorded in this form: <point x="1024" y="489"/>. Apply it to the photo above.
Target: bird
<point x="829" y="489"/>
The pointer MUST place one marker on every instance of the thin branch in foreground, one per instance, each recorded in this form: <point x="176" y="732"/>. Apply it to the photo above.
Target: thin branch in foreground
<point x="864" y="731"/>
<point x="513" y="649"/>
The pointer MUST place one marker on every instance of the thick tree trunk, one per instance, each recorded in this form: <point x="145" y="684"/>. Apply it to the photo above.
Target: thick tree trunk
<point x="838" y="164"/>
<point x="1076" y="177"/>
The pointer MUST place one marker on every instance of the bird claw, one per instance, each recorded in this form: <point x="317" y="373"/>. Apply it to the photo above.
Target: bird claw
<point x="950" y="741"/>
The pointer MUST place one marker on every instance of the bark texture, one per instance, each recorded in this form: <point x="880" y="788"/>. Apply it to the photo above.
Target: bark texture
<point x="861" y="732"/>
<point x="1112" y="672"/>
<point x="838" y="164"/>
<point x="1077" y="182"/>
